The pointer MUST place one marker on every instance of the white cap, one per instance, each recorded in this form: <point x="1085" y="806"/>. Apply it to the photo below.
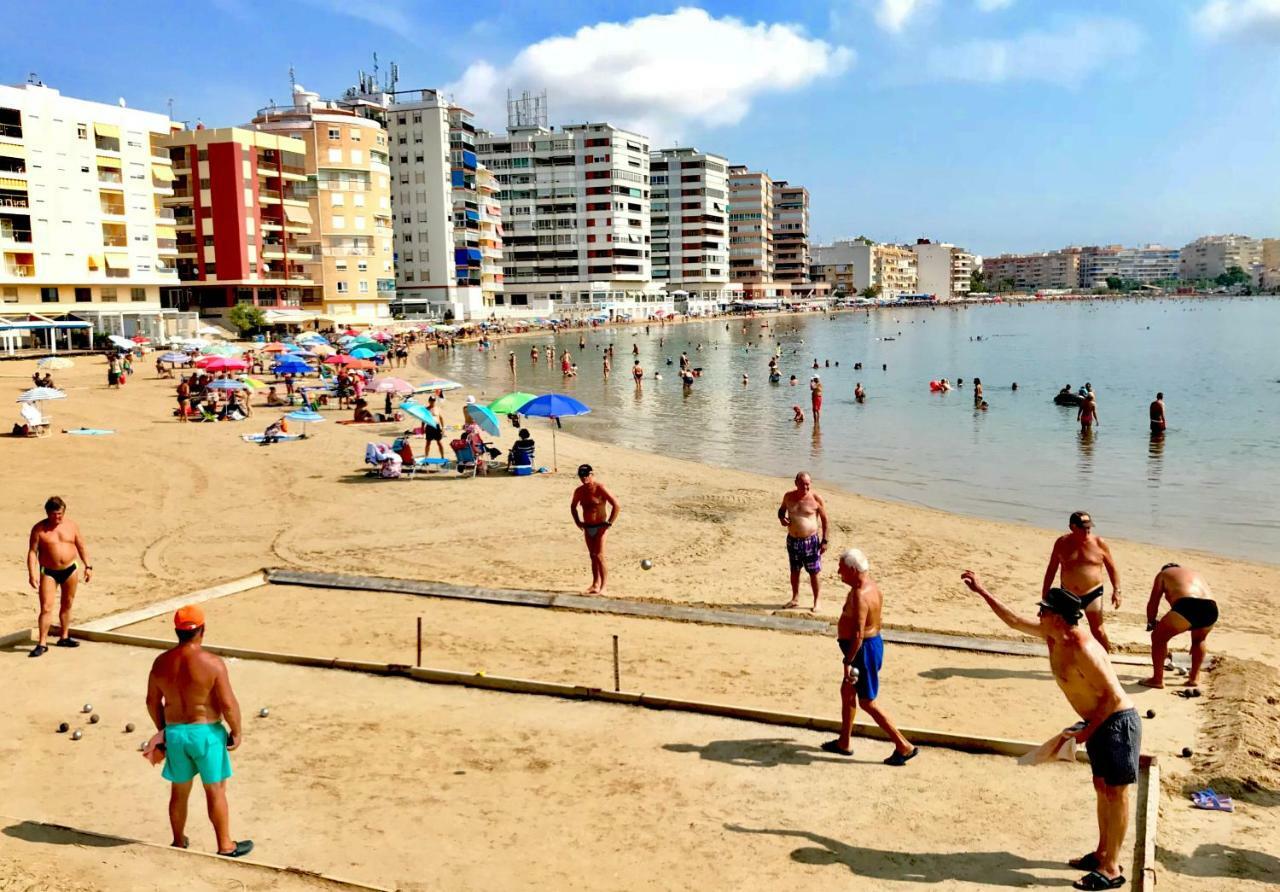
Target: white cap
<point x="854" y="558"/>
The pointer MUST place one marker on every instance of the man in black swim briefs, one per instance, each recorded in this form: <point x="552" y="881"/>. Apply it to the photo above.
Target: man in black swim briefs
<point x="55" y="552"/>
<point x="1085" y="560"/>
<point x="1191" y="609"/>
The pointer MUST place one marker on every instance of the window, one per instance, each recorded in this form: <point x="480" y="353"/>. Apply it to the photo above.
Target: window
<point x="418" y="158"/>
<point x="339" y="222"/>
<point x="82" y="131"/>
<point x="364" y="286"/>
<point x="336" y="199"/>
<point x="204" y="182"/>
<point x="362" y="266"/>
<point x="340" y="265"/>
<point x="355" y="133"/>
<point x="84" y="295"/>
<point x="417" y="117"/>
<point x="359" y="221"/>
<point x="49" y="295"/>
<point x="400" y="119"/>
<point x="357" y="156"/>
<point x="335" y="133"/>
<point x="107" y="295"/>
<point x="358" y="199"/>
<point x="202" y="155"/>
<point x="419" y="179"/>
<point x="10" y="294"/>
<point x="138" y="294"/>
<point x="335" y="155"/>
<point x="342" y="287"/>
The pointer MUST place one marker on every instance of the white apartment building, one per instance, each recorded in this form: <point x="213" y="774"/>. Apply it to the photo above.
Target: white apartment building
<point x="1212" y="255"/>
<point x="82" y="227"/>
<point x="690" y="219"/>
<point x="752" y="260"/>
<point x="1149" y="264"/>
<point x="854" y="265"/>
<point x="943" y="270"/>
<point x="575" y="206"/>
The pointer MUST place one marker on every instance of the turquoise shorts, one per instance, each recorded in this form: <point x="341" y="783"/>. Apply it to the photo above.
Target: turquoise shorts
<point x="196" y="749"/>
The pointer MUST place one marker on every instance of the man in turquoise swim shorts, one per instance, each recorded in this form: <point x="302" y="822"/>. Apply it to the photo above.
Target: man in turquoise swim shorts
<point x="188" y="696"/>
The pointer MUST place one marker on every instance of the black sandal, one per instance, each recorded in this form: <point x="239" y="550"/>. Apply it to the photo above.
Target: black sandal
<point x="38" y="651"/>
<point x="1094" y="881"/>
<point x="833" y="746"/>
<point x="66" y="642"/>
<point x="897" y="760"/>
<point x="186" y="843"/>
<point x="1085" y="862"/>
<point x="243" y="847"/>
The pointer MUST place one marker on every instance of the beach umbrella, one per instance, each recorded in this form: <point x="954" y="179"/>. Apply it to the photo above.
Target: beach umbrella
<point x="140" y="339"/>
<point x="291" y="366"/>
<point x="122" y="343"/>
<point x="306" y="416"/>
<point x="174" y="357"/>
<point x="275" y="347"/>
<point x="363" y="353"/>
<point x="381" y="336"/>
<point x="554" y="405"/>
<point x="484" y="417"/>
<point x="253" y="383"/>
<point x="511" y="404"/>
<point x="222" y="364"/>
<point x="211" y="331"/>
<point x="39" y="394"/>
<point x="392" y="385"/>
<point x="228" y="384"/>
<point x="220" y="350"/>
<point x="372" y="346"/>
<point x="431" y="385"/>
<point x="340" y="359"/>
<point x="323" y="350"/>
<point x="420" y="412"/>
<point x="361" y="364"/>
<point x="55" y="362"/>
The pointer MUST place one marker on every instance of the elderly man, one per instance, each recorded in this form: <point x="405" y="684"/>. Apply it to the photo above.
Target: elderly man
<point x="1083" y="558"/>
<point x="1111" y="730"/>
<point x="55" y="552"/>
<point x="1191" y="609"/>
<point x="858" y="634"/>
<point x="801" y="512"/>
<point x="188" y="695"/>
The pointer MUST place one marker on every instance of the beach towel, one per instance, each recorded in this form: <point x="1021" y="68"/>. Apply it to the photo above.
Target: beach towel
<point x="1059" y="748"/>
<point x="258" y="438"/>
<point x="89" y="432"/>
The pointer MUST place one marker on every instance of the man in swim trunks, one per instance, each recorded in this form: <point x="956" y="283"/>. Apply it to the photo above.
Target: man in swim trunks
<point x="801" y="512"/>
<point x="594" y="499"/>
<point x="1084" y="558"/>
<point x="858" y="634"/>
<point x="1110" y="728"/>
<point x="1191" y="609"/>
<point x="52" y="553"/>
<point x="1156" y="412"/>
<point x="815" y="397"/>
<point x="188" y="696"/>
<point x="433" y="434"/>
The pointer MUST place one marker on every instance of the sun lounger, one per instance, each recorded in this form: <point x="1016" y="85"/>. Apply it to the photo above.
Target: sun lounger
<point x="36" y="422"/>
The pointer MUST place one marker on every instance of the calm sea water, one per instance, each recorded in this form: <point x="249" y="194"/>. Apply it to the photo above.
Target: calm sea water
<point x="1212" y="482"/>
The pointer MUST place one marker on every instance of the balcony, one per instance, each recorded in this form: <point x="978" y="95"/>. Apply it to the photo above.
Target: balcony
<point x="165" y="214"/>
<point x="167" y="246"/>
<point x="12" y="235"/>
<point x="115" y="241"/>
<point x="107" y="143"/>
<point x="14" y="130"/>
<point x="20" y="270"/>
<point x="109" y="176"/>
<point x="268" y="196"/>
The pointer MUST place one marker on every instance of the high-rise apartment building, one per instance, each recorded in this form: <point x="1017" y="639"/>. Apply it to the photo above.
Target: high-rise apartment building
<point x="1148" y="265"/>
<point x="791" y="260"/>
<point x="751" y="248"/>
<point x="349" y="192"/>
<point x="1212" y="255"/>
<point x="244" y="225"/>
<point x="83" y="228"/>
<point x="575" y="206"/>
<point x="853" y="266"/>
<point x="1030" y="272"/>
<point x="690" y="219"/>
<point x="943" y="270"/>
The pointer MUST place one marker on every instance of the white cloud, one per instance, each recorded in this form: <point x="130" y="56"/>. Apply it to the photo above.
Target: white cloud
<point x="1065" y="55"/>
<point x="1239" y="19"/>
<point x="393" y="15"/>
<point x="656" y="74"/>
<point x="895" y="15"/>
<point x="992" y="5"/>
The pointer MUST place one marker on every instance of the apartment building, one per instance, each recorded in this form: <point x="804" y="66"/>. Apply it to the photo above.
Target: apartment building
<point x="690" y="219"/>
<point x="1032" y="272"/>
<point x="792" y="260"/>
<point x="1212" y="255"/>
<point x="575" y="206"/>
<point x="83" y="227"/>
<point x="852" y="266"/>
<point x="752" y="258"/>
<point x="943" y="270"/>
<point x="1148" y="265"/>
<point x="244" y="225"/>
<point x="348" y="190"/>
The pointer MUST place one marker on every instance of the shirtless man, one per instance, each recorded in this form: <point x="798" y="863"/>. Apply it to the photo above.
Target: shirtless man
<point x="858" y="634"/>
<point x="1156" y="412"/>
<point x="52" y="553"/>
<point x="801" y="511"/>
<point x="1191" y="609"/>
<point x="595" y="522"/>
<point x="1110" y="728"/>
<point x="188" y="695"/>
<point x="1084" y="558"/>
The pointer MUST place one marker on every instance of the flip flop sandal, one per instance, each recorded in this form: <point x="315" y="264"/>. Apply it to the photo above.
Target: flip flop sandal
<point x="1094" y="881"/>
<point x="897" y="760"/>
<point x="38" y="651"/>
<point x="66" y="642"/>
<point x="243" y="847"/>
<point x="186" y="843"/>
<point x="833" y="746"/>
<point x="1085" y="862"/>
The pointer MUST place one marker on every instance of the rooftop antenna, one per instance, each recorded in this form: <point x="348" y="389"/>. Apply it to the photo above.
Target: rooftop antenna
<point x="33" y="78"/>
<point x="375" y="68"/>
<point x="393" y="79"/>
<point x="170" y="108"/>
<point x="293" y="81"/>
<point x="530" y="110"/>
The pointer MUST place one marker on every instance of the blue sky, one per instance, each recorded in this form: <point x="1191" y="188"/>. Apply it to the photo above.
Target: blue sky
<point x="1000" y="125"/>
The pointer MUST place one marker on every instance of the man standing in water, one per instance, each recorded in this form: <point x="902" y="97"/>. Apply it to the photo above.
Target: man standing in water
<point x="1191" y="609"/>
<point x="188" y="695"/>
<point x="1156" y="413"/>
<point x="858" y="634"/>
<point x="595" y="522"/>
<point x="1110" y="728"/>
<point x="815" y="397"/>
<point x="801" y="512"/>
<point x="1083" y="559"/>
<point x="52" y="552"/>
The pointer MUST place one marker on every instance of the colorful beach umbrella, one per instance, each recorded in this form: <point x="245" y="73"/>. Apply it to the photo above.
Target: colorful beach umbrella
<point x="228" y="384"/>
<point x="122" y="343"/>
<point x="340" y="359"/>
<point x="361" y="364"/>
<point x="485" y="418"/>
<point x="392" y="385"/>
<point x="431" y="385"/>
<point x="291" y="366"/>
<point x="222" y="364"/>
<point x="511" y="404"/>
<point x="324" y="350"/>
<point x="306" y="416"/>
<point x="55" y="363"/>
<point x="554" y="405"/>
<point x="275" y="347"/>
<point x="420" y="412"/>
<point x="220" y="350"/>
<point x="40" y="394"/>
<point x="363" y="353"/>
<point x="176" y="358"/>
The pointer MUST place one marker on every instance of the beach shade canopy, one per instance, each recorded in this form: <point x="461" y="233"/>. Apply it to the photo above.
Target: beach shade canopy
<point x="122" y="343"/>
<point x="431" y="385"/>
<point x="420" y="412"/>
<point x="554" y="405"/>
<point x="275" y="347"/>
<point x="39" y="394"/>
<point x="300" y="351"/>
<point x="222" y="364"/>
<point x="484" y="417"/>
<point x="380" y="336"/>
<point x="324" y="350"/>
<point x="174" y="357"/>
<point x="363" y="353"/>
<point x="55" y="363"/>
<point x="228" y="384"/>
<point x="511" y="404"/>
<point x="361" y="364"/>
<point x="309" y="336"/>
<point x="253" y="383"/>
<point x="220" y="350"/>
<point x="140" y="339"/>
<point x="291" y="366"/>
<point x="393" y="385"/>
<point x="340" y="359"/>
<point x="306" y="416"/>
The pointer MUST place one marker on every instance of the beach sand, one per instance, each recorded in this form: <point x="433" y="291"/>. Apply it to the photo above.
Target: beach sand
<point x="168" y="508"/>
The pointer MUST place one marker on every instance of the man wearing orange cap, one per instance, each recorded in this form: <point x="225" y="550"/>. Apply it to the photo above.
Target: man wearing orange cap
<point x="188" y="695"/>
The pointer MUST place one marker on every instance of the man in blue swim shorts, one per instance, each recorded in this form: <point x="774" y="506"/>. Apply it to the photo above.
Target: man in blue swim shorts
<point x="802" y="512"/>
<point x="858" y="634"/>
<point x="188" y="696"/>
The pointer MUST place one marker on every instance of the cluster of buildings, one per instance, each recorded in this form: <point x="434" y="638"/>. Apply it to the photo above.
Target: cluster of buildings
<point x="387" y="203"/>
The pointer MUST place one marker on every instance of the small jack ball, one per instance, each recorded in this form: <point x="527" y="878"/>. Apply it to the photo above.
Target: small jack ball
<point x="128" y="729"/>
<point x="88" y="707"/>
<point x="646" y="564"/>
<point x="62" y="727"/>
<point x="142" y="746"/>
<point x="94" y="719"/>
<point x="76" y="734"/>
<point x="1151" y="713"/>
<point x="263" y="712"/>
<point x="1186" y="752"/>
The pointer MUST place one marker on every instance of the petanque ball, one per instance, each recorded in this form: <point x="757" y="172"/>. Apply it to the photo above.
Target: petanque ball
<point x="1186" y="752"/>
<point x="646" y="564"/>
<point x="76" y="734"/>
<point x="88" y="707"/>
<point x="128" y="729"/>
<point x="263" y="712"/>
<point x="94" y="719"/>
<point x="142" y="746"/>
<point x="62" y="727"/>
<point x="1151" y="713"/>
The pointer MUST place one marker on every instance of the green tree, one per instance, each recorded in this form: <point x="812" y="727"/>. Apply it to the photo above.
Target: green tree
<point x="871" y="291"/>
<point x="977" y="281"/>
<point x="1115" y="283"/>
<point x="247" y="317"/>
<point x="1233" y="276"/>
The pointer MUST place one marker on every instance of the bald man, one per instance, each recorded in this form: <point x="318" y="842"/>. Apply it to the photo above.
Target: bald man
<point x="803" y="513"/>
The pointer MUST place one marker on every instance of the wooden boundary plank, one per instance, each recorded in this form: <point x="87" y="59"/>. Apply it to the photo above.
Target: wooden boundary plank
<point x="233" y="862"/>
<point x="129" y="617"/>
<point x="622" y="607"/>
<point x="1148" y="816"/>
<point x="922" y="736"/>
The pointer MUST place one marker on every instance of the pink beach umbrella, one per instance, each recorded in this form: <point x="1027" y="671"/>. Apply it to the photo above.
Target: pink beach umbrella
<point x="222" y="364"/>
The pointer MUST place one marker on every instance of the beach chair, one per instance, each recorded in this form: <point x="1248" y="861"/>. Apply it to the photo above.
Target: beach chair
<point x="36" y="422"/>
<point x="465" y="457"/>
<point x="414" y="464"/>
<point x="384" y="458"/>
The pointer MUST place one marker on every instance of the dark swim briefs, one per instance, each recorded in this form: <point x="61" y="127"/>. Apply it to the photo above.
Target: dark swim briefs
<point x="60" y="576"/>
<point x="805" y="553"/>
<point x="1113" y="749"/>
<point x="1200" y="612"/>
<point x="1086" y="600"/>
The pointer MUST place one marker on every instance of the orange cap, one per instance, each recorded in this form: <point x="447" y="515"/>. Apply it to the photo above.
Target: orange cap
<point x="188" y="618"/>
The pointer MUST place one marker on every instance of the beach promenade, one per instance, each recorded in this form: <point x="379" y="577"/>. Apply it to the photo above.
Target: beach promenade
<point x="170" y="508"/>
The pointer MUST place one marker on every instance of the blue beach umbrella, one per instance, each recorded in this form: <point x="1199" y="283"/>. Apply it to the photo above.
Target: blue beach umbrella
<point x="362" y="353"/>
<point x="306" y="416"/>
<point x="291" y="366"/>
<point x="228" y="384"/>
<point x="176" y="358"/>
<point x="554" y="405"/>
<point x="420" y="412"/>
<point x="483" y="416"/>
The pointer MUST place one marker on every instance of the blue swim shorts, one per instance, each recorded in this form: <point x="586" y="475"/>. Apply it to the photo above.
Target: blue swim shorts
<point x="868" y="660"/>
<point x="196" y="749"/>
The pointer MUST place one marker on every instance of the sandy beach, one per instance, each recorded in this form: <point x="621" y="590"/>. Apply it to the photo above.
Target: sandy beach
<point x="168" y="508"/>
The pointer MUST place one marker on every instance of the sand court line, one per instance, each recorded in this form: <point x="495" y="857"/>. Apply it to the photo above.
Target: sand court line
<point x="651" y="610"/>
<point x="248" y="865"/>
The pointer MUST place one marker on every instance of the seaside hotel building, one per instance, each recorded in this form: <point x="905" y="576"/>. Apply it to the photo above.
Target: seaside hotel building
<point x="84" y="230"/>
<point x="852" y="266"/>
<point x="793" y="264"/>
<point x="244" y="226"/>
<point x="751" y="245"/>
